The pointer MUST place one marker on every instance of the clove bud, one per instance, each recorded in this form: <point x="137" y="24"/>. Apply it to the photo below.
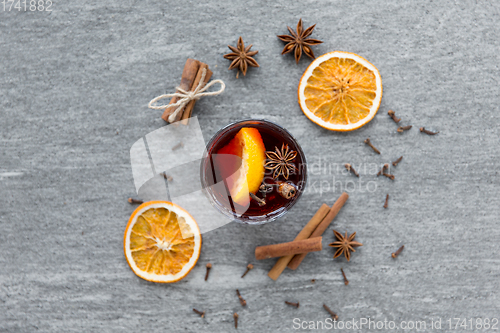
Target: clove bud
<point x="346" y="282"/>
<point x="422" y="129"/>
<point x="293" y="304"/>
<point x="167" y="177"/>
<point x="369" y="143"/>
<point x="351" y="169"/>
<point x="178" y="146"/>
<point x="333" y="314"/>
<point x="396" y="162"/>
<point x="391" y="177"/>
<point x="249" y="267"/>
<point x="260" y="201"/>
<point x="393" y="116"/>
<point x="242" y="300"/>
<point x="384" y="167"/>
<point x="201" y="313"/>
<point x="134" y="201"/>
<point x="209" y="266"/>
<point x="235" y="316"/>
<point x="401" y="129"/>
<point x="395" y="254"/>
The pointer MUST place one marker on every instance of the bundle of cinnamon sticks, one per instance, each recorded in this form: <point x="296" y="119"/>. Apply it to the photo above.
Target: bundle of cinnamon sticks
<point x="308" y="240"/>
<point x="191" y="77"/>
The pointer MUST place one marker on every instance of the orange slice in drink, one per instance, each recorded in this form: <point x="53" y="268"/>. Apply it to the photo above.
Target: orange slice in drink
<point x="248" y="174"/>
<point x="340" y="91"/>
<point x="162" y="242"/>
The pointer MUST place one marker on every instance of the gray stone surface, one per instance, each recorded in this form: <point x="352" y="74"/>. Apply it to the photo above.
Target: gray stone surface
<point x="74" y="86"/>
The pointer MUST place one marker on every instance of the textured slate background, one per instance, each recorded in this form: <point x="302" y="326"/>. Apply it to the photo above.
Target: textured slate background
<point x="75" y="84"/>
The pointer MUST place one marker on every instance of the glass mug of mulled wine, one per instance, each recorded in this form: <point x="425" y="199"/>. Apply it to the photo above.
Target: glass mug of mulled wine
<point x="253" y="171"/>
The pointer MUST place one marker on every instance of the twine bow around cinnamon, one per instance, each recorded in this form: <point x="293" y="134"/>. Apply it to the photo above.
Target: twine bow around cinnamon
<point x="187" y="96"/>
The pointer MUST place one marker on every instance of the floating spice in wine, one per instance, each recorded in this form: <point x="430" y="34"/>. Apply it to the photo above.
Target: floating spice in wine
<point x="287" y="190"/>
<point x="281" y="161"/>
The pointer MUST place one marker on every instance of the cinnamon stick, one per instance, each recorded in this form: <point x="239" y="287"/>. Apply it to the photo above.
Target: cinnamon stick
<point x="290" y="248"/>
<point x="188" y="76"/>
<point x="280" y="265"/>
<point x="189" y="107"/>
<point x="320" y="229"/>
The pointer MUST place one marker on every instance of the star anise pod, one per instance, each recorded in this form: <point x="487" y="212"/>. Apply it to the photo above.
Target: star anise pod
<point x="345" y="245"/>
<point x="241" y="57"/>
<point x="299" y="41"/>
<point x="281" y="161"/>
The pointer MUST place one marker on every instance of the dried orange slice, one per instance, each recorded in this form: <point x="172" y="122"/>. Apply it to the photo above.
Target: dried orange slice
<point x="162" y="242"/>
<point x="249" y="147"/>
<point x="340" y="91"/>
